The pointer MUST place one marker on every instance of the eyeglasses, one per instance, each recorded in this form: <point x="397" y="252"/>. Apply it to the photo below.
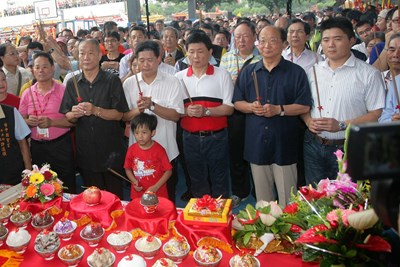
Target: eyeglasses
<point x="364" y="32"/>
<point x="12" y="54"/>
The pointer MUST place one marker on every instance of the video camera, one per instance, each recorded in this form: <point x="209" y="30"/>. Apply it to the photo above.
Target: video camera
<point x="374" y="153"/>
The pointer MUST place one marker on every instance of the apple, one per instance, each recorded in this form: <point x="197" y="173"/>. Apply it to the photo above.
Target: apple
<point x="92" y="195"/>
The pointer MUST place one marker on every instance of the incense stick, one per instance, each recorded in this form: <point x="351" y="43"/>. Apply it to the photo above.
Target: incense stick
<point x="119" y="175"/>
<point x="186" y="90"/>
<point x="137" y="81"/>
<point x="317" y="91"/>
<point x="256" y="87"/>
<point x="41" y="29"/>
<point x="237" y="62"/>
<point x="33" y="102"/>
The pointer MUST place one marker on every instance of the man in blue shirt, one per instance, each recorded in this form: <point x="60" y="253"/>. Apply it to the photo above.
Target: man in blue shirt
<point x="272" y="111"/>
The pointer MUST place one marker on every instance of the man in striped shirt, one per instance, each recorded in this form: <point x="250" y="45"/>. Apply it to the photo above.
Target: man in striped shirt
<point x="345" y="90"/>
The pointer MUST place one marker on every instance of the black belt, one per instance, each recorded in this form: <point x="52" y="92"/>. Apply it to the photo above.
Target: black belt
<point x="329" y="142"/>
<point x="206" y="133"/>
<point x="50" y="141"/>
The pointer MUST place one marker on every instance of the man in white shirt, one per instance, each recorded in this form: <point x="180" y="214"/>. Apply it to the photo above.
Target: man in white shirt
<point x="297" y="35"/>
<point x="137" y="34"/>
<point x="159" y="94"/>
<point x="345" y="90"/>
<point x="16" y="76"/>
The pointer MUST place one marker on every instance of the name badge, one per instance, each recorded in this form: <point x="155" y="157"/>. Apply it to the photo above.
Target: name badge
<point x="42" y="133"/>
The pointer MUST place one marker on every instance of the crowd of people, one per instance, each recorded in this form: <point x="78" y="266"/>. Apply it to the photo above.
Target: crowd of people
<point x="259" y="104"/>
<point x="63" y="4"/>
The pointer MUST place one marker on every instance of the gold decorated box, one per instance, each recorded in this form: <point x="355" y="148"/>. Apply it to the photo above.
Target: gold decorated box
<point x="221" y="216"/>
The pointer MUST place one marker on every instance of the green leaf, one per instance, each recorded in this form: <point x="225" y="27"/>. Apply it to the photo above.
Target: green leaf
<point x="351" y="253"/>
<point x="266" y="210"/>
<point x="246" y="238"/>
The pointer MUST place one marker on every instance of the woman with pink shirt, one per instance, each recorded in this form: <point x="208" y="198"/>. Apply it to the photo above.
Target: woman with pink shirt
<point x="50" y="138"/>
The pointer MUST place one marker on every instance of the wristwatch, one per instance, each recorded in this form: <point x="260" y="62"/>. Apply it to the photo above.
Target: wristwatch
<point x="342" y="125"/>
<point x="207" y="112"/>
<point x="152" y="106"/>
<point x="282" y="113"/>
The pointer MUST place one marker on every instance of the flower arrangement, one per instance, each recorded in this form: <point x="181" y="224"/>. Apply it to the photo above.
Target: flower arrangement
<point x="40" y="184"/>
<point x="332" y="223"/>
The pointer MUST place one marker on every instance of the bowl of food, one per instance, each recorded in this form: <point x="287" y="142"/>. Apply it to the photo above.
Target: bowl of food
<point x="71" y="255"/>
<point x="132" y="260"/>
<point x="21" y="218"/>
<point x="47" y="244"/>
<point x="3" y="234"/>
<point x="120" y="241"/>
<point x="42" y="220"/>
<point x="65" y="229"/>
<point x="101" y="257"/>
<point x="92" y="234"/>
<point x="207" y="256"/>
<point x="164" y="262"/>
<point x="18" y="240"/>
<point x="176" y="249"/>
<point x="245" y="260"/>
<point x="149" y="201"/>
<point x="148" y="246"/>
<point x="5" y="213"/>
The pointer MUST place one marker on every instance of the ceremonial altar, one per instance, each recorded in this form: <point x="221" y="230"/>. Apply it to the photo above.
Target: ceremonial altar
<point x="130" y="216"/>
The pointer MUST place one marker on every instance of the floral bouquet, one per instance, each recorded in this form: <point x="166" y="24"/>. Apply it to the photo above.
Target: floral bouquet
<point x="40" y="184"/>
<point x="342" y="228"/>
<point x="332" y="223"/>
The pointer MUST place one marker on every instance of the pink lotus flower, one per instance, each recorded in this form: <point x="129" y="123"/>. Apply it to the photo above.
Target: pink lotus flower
<point x="47" y="189"/>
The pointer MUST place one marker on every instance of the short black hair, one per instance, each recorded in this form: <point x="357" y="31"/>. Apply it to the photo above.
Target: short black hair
<point x="35" y="45"/>
<point x="45" y="55"/>
<point x="94" y="29"/>
<point x="109" y="26"/>
<point x="155" y="34"/>
<point x="144" y="119"/>
<point x="354" y="14"/>
<point x="208" y="27"/>
<point x="248" y="23"/>
<point x="198" y="36"/>
<point x="81" y="33"/>
<point x="113" y="34"/>
<point x="226" y="33"/>
<point x="307" y="28"/>
<point x="148" y="46"/>
<point x="67" y="30"/>
<point x="28" y="38"/>
<point x="338" y="22"/>
<point x="138" y="28"/>
<point x="3" y="48"/>
<point x="362" y="23"/>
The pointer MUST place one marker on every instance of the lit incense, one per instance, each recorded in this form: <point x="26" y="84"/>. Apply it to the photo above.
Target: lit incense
<point x="256" y="87"/>
<point x="186" y="91"/>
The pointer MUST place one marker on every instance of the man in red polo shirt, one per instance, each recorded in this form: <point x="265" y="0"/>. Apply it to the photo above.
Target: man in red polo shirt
<point x="208" y="103"/>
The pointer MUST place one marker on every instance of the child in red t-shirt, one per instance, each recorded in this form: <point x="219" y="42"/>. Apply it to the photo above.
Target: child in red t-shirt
<point x="146" y="162"/>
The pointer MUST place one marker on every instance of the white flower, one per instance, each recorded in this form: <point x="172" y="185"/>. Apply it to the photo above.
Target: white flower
<point x="267" y="219"/>
<point x="363" y="220"/>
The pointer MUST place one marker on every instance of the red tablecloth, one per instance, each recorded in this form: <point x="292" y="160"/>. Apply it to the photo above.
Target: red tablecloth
<point x="152" y="223"/>
<point x="99" y="213"/>
<point x="31" y="258"/>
